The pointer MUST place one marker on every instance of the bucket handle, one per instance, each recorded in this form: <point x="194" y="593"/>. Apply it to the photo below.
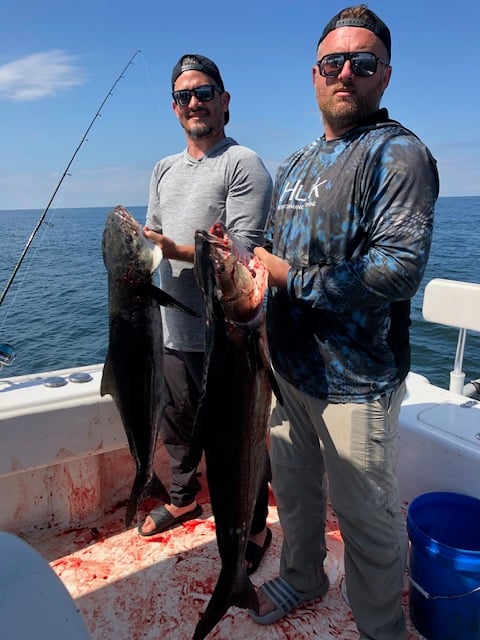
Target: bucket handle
<point x="429" y="596"/>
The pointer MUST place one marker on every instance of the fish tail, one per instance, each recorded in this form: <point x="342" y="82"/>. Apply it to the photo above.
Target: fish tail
<point x="142" y="489"/>
<point x="133" y="504"/>
<point x="156" y="489"/>
<point x="240" y="594"/>
<point x="246" y="597"/>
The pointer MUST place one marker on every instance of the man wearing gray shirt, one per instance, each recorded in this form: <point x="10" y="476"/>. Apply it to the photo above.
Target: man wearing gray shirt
<point x="213" y="179"/>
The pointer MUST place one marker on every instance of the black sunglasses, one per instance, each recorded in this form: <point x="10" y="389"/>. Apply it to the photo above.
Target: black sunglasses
<point x="205" y="93"/>
<point x="364" y="64"/>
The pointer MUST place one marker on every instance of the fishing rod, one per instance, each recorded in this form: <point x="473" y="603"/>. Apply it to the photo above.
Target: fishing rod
<point x="7" y="353"/>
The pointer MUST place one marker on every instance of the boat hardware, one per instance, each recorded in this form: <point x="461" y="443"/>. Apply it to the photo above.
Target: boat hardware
<point x="55" y="381"/>
<point x="80" y="376"/>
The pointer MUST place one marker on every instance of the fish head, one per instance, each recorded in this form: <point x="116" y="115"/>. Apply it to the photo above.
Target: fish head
<point x="127" y="253"/>
<point x="236" y="277"/>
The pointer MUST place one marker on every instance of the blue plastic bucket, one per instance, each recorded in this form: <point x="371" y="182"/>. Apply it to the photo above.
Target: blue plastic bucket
<point x="444" y="565"/>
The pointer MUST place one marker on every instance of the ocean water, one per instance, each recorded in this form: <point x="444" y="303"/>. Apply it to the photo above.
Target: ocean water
<point x="55" y="313"/>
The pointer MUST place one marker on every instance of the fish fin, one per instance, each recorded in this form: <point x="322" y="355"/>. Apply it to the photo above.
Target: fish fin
<point x="275" y="387"/>
<point x="106" y="384"/>
<point x="200" y="422"/>
<point x="241" y="594"/>
<point x="265" y="360"/>
<point x="198" y="434"/>
<point x="141" y="490"/>
<point x="166" y="300"/>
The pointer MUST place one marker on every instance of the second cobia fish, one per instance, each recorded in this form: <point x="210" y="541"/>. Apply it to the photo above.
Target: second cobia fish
<point x="133" y="371"/>
<point x="234" y="408"/>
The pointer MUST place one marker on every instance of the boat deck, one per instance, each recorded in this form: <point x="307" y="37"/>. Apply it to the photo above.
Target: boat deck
<point x="134" y="588"/>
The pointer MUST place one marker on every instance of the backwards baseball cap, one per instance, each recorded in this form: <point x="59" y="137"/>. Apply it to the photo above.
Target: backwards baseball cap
<point x="372" y="23"/>
<point x="196" y="62"/>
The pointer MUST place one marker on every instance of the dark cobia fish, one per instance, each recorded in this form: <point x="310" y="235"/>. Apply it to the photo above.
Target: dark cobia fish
<point x="232" y="417"/>
<point x="133" y="370"/>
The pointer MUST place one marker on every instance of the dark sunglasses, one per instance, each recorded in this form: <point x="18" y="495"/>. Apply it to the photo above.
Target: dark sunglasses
<point x="205" y="93"/>
<point x="364" y="64"/>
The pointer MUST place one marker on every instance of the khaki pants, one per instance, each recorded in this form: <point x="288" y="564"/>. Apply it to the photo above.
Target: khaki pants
<point x="353" y="446"/>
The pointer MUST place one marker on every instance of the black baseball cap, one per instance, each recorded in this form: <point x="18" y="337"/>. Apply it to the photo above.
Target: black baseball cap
<point x="197" y="62"/>
<point x="373" y="23"/>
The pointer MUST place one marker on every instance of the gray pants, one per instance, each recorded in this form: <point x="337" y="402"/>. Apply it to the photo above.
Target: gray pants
<point x="353" y="446"/>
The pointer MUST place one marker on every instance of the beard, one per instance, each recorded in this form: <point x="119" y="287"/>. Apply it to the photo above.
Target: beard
<point x="342" y="113"/>
<point x="197" y="130"/>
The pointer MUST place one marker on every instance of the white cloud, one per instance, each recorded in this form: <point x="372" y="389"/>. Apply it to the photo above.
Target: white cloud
<point x="39" y="75"/>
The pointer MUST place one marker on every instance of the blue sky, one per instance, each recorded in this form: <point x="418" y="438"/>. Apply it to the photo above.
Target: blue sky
<point x="59" y="59"/>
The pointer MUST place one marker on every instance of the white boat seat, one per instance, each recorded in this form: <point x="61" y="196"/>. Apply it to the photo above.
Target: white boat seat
<point x="452" y="303"/>
<point x="34" y="603"/>
<point x="455" y="304"/>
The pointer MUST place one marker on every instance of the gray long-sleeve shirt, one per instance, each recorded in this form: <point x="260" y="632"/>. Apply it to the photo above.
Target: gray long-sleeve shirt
<point x="229" y="184"/>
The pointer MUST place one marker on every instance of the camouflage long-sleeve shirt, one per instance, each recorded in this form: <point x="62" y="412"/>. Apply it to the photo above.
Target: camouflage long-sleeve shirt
<point x="353" y="217"/>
